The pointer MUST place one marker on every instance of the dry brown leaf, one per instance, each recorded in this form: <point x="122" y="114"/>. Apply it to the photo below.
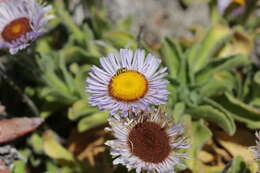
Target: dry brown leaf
<point x="241" y="43"/>
<point x="219" y="155"/>
<point x="205" y="156"/>
<point x="88" y="145"/>
<point x="92" y="150"/>
<point x="223" y="155"/>
<point x="11" y="129"/>
<point x="238" y="144"/>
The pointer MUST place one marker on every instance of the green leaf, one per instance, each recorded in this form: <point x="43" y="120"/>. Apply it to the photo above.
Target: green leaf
<point x="51" y="107"/>
<point x="171" y="53"/>
<point x="89" y="35"/>
<point x="184" y="95"/>
<point x="54" y="149"/>
<point x="257" y="77"/>
<point x="220" y="65"/>
<point x="20" y="167"/>
<point x="77" y="54"/>
<point x="200" y="135"/>
<point x="100" y="23"/>
<point x="201" y="53"/>
<point x="80" y="80"/>
<point x="80" y="108"/>
<point x="49" y="65"/>
<point x="240" y="111"/>
<point x="43" y="45"/>
<point x="92" y="121"/>
<point x="179" y="110"/>
<point x="36" y="142"/>
<point x="120" y="39"/>
<point x="185" y="73"/>
<point x="67" y="75"/>
<point x="55" y="82"/>
<point x="58" y="86"/>
<point x="125" y="23"/>
<point x="67" y="20"/>
<point x="222" y="119"/>
<point x="51" y="167"/>
<point x="51" y="95"/>
<point x="238" y="165"/>
<point x="173" y="96"/>
<point x="218" y="84"/>
<point x="245" y="86"/>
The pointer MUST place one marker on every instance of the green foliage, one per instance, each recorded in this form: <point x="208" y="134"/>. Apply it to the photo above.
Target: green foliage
<point x="201" y="53"/>
<point x="200" y="135"/>
<point x="212" y="83"/>
<point x="92" y="121"/>
<point x="20" y="167"/>
<point x="237" y="166"/>
<point x="197" y="76"/>
<point x="241" y="111"/>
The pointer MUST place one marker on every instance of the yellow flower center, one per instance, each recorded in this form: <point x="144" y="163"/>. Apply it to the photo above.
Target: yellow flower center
<point x="128" y="86"/>
<point x="16" y="29"/>
<point x="240" y="2"/>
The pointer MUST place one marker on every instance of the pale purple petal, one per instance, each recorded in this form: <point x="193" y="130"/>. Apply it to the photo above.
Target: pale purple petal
<point x="14" y="9"/>
<point x="149" y="66"/>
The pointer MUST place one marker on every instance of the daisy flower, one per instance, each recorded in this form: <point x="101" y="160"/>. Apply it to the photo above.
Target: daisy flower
<point x="256" y="149"/>
<point x="21" y="22"/>
<point x="127" y="81"/>
<point x="147" y="142"/>
<point x="223" y="5"/>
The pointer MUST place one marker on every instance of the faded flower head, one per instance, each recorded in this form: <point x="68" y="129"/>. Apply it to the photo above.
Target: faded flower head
<point x="21" y="22"/>
<point x="8" y="155"/>
<point x="236" y="6"/>
<point x="127" y="81"/>
<point x="147" y="142"/>
<point x="256" y="148"/>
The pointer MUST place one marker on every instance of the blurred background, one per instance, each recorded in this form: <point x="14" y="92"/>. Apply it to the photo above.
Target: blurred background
<point x="213" y="58"/>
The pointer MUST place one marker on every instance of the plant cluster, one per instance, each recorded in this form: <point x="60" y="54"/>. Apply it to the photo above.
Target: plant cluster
<point x="113" y="103"/>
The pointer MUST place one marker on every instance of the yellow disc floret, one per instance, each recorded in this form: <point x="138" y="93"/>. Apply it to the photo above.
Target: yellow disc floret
<point x="128" y="86"/>
<point x="16" y="29"/>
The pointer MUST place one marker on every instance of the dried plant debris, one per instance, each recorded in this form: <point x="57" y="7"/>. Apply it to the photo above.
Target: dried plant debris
<point x="89" y="70"/>
<point x="8" y="155"/>
<point x="10" y="129"/>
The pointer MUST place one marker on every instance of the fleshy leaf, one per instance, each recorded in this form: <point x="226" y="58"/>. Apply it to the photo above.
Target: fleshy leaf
<point x="178" y="111"/>
<point x="220" y="65"/>
<point x="201" y="53"/>
<point x="54" y="149"/>
<point x="218" y="84"/>
<point x="20" y="167"/>
<point x="241" y="111"/>
<point x="257" y="77"/>
<point x="222" y="119"/>
<point x="80" y="108"/>
<point x="67" y="20"/>
<point x="200" y="134"/>
<point x="237" y="166"/>
<point x="92" y="120"/>
<point x="172" y="56"/>
<point x="120" y="38"/>
<point x="36" y="142"/>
